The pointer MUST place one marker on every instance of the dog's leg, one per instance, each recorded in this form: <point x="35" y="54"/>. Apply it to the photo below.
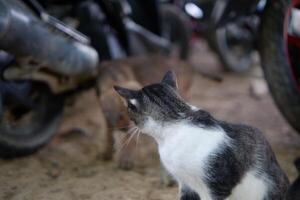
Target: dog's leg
<point x="109" y="148"/>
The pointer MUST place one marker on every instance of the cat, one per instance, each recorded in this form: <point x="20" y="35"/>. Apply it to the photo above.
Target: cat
<point x="132" y="74"/>
<point x="209" y="158"/>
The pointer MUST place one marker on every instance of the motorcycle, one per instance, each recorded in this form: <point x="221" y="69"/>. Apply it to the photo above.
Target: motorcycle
<point x="52" y="50"/>
<point x="229" y="28"/>
<point x="235" y="28"/>
<point x="279" y="49"/>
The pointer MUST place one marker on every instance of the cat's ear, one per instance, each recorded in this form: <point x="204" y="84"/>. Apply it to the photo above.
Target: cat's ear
<point x="170" y="79"/>
<point x="126" y="93"/>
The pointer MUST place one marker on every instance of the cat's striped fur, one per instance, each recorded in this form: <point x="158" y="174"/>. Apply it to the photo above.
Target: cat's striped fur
<point x="209" y="158"/>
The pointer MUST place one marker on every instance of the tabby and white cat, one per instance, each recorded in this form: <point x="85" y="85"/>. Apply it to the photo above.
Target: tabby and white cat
<point x="209" y="158"/>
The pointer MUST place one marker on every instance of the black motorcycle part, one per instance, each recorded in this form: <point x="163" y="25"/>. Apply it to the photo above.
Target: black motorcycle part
<point x="29" y="117"/>
<point x="275" y="61"/>
<point x="234" y="43"/>
<point x="175" y="30"/>
<point x="217" y="13"/>
<point x="93" y="23"/>
<point x="146" y="14"/>
<point x="114" y="15"/>
<point x="31" y="41"/>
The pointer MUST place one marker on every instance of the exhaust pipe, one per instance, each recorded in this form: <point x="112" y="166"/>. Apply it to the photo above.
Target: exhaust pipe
<point x="29" y="39"/>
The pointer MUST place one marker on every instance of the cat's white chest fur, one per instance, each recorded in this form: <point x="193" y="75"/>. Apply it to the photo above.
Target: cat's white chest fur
<point x="184" y="154"/>
<point x="184" y="148"/>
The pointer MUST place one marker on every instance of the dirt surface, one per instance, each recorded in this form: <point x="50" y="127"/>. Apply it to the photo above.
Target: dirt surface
<point x="71" y="166"/>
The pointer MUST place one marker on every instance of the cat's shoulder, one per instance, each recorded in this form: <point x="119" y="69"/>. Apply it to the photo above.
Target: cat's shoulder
<point x="205" y="118"/>
<point x="202" y="117"/>
<point x="227" y="126"/>
<point x="240" y="130"/>
<point x="233" y="130"/>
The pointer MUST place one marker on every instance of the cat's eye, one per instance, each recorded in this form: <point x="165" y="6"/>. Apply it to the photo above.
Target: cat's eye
<point x="132" y="104"/>
<point x="132" y="107"/>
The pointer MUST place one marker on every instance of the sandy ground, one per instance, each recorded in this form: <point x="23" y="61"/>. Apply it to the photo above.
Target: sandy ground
<point x="71" y="166"/>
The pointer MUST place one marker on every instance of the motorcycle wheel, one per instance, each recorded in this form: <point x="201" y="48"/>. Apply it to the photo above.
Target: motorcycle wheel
<point x="26" y="127"/>
<point x="234" y="43"/>
<point x="280" y="52"/>
<point x="174" y="29"/>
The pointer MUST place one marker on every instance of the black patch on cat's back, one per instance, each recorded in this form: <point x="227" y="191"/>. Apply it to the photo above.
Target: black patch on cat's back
<point x="202" y="117"/>
<point x="224" y="172"/>
<point x="244" y="140"/>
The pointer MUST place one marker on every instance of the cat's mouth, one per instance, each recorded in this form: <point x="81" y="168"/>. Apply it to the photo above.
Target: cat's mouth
<point x="137" y="120"/>
<point x="134" y="128"/>
<point x="136" y="123"/>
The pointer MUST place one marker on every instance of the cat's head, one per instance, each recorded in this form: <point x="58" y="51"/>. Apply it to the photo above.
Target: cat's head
<point x="159" y="102"/>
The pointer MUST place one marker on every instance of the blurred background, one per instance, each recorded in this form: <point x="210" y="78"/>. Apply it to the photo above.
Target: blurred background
<point x="64" y="134"/>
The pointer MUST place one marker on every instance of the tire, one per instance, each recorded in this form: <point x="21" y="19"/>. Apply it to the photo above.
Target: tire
<point x="276" y="64"/>
<point x="232" y="60"/>
<point x="174" y="28"/>
<point x="25" y="138"/>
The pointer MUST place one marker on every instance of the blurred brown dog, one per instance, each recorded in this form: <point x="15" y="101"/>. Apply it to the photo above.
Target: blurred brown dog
<point x="133" y="74"/>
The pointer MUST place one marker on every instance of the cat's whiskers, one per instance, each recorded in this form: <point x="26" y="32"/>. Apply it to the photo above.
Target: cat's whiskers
<point x="137" y="139"/>
<point x="132" y="129"/>
<point x="130" y="138"/>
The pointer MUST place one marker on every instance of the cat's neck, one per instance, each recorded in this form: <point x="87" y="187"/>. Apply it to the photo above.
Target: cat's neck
<point x="162" y="131"/>
<point x="195" y="118"/>
<point x="155" y="129"/>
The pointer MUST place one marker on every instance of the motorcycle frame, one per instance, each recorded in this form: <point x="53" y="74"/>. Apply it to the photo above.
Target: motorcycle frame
<point x="74" y="84"/>
<point x="219" y="12"/>
<point x="143" y="21"/>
